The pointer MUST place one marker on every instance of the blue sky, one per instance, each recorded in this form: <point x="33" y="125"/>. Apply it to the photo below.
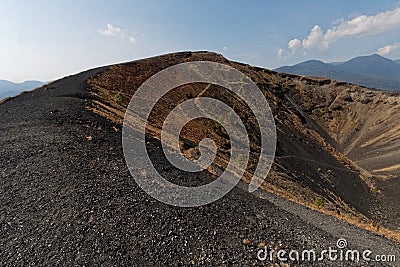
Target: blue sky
<point x="46" y="40"/>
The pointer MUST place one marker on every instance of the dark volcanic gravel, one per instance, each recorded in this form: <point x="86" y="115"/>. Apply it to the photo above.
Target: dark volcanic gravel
<point x="67" y="199"/>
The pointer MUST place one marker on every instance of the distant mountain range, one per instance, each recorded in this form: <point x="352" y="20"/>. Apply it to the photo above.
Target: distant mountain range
<point x="8" y="88"/>
<point x="372" y="71"/>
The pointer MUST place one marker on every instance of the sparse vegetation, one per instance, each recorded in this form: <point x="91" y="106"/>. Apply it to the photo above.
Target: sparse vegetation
<point x="319" y="202"/>
<point x="217" y="127"/>
<point x="119" y="97"/>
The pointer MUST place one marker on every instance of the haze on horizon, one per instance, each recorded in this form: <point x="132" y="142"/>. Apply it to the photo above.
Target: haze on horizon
<point x="46" y="40"/>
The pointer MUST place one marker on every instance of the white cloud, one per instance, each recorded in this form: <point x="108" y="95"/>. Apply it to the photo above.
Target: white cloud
<point x="280" y="53"/>
<point x="225" y="48"/>
<point x="132" y="40"/>
<point x="294" y="45"/>
<point x="389" y="49"/>
<point x="364" y="26"/>
<point x="112" y="31"/>
<point x="357" y="26"/>
<point x="314" y="38"/>
<point x="118" y="32"/>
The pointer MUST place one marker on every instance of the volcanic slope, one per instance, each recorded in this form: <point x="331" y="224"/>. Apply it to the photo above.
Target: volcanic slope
<point x="67" y="196"/>
<point x="319" y="154"/>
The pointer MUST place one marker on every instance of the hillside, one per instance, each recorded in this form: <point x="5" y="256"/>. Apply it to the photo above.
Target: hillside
<point x="298" y="111"/>
<point x="8" y="88"/>
<point x="68" y="198"/>
<point x="370" y="71"/>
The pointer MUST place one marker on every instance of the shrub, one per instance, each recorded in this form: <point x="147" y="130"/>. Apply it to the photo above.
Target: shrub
<point x="319" y="202"/>
<point x="119" y="97"/>
<point x="217" y="127"/>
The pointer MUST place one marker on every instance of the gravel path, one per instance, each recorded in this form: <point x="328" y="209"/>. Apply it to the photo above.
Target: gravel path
<point x="67" y="199"/>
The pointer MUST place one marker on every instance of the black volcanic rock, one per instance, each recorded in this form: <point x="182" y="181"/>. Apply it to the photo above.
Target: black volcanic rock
<point x="69" y="200"/>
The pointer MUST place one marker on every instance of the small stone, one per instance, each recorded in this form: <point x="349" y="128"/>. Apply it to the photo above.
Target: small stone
<point x="261" y="245"/>
<point x="245" y="241"/>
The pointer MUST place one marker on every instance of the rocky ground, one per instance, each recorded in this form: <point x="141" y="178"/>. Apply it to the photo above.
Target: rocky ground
<point x="67" y="199"/>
